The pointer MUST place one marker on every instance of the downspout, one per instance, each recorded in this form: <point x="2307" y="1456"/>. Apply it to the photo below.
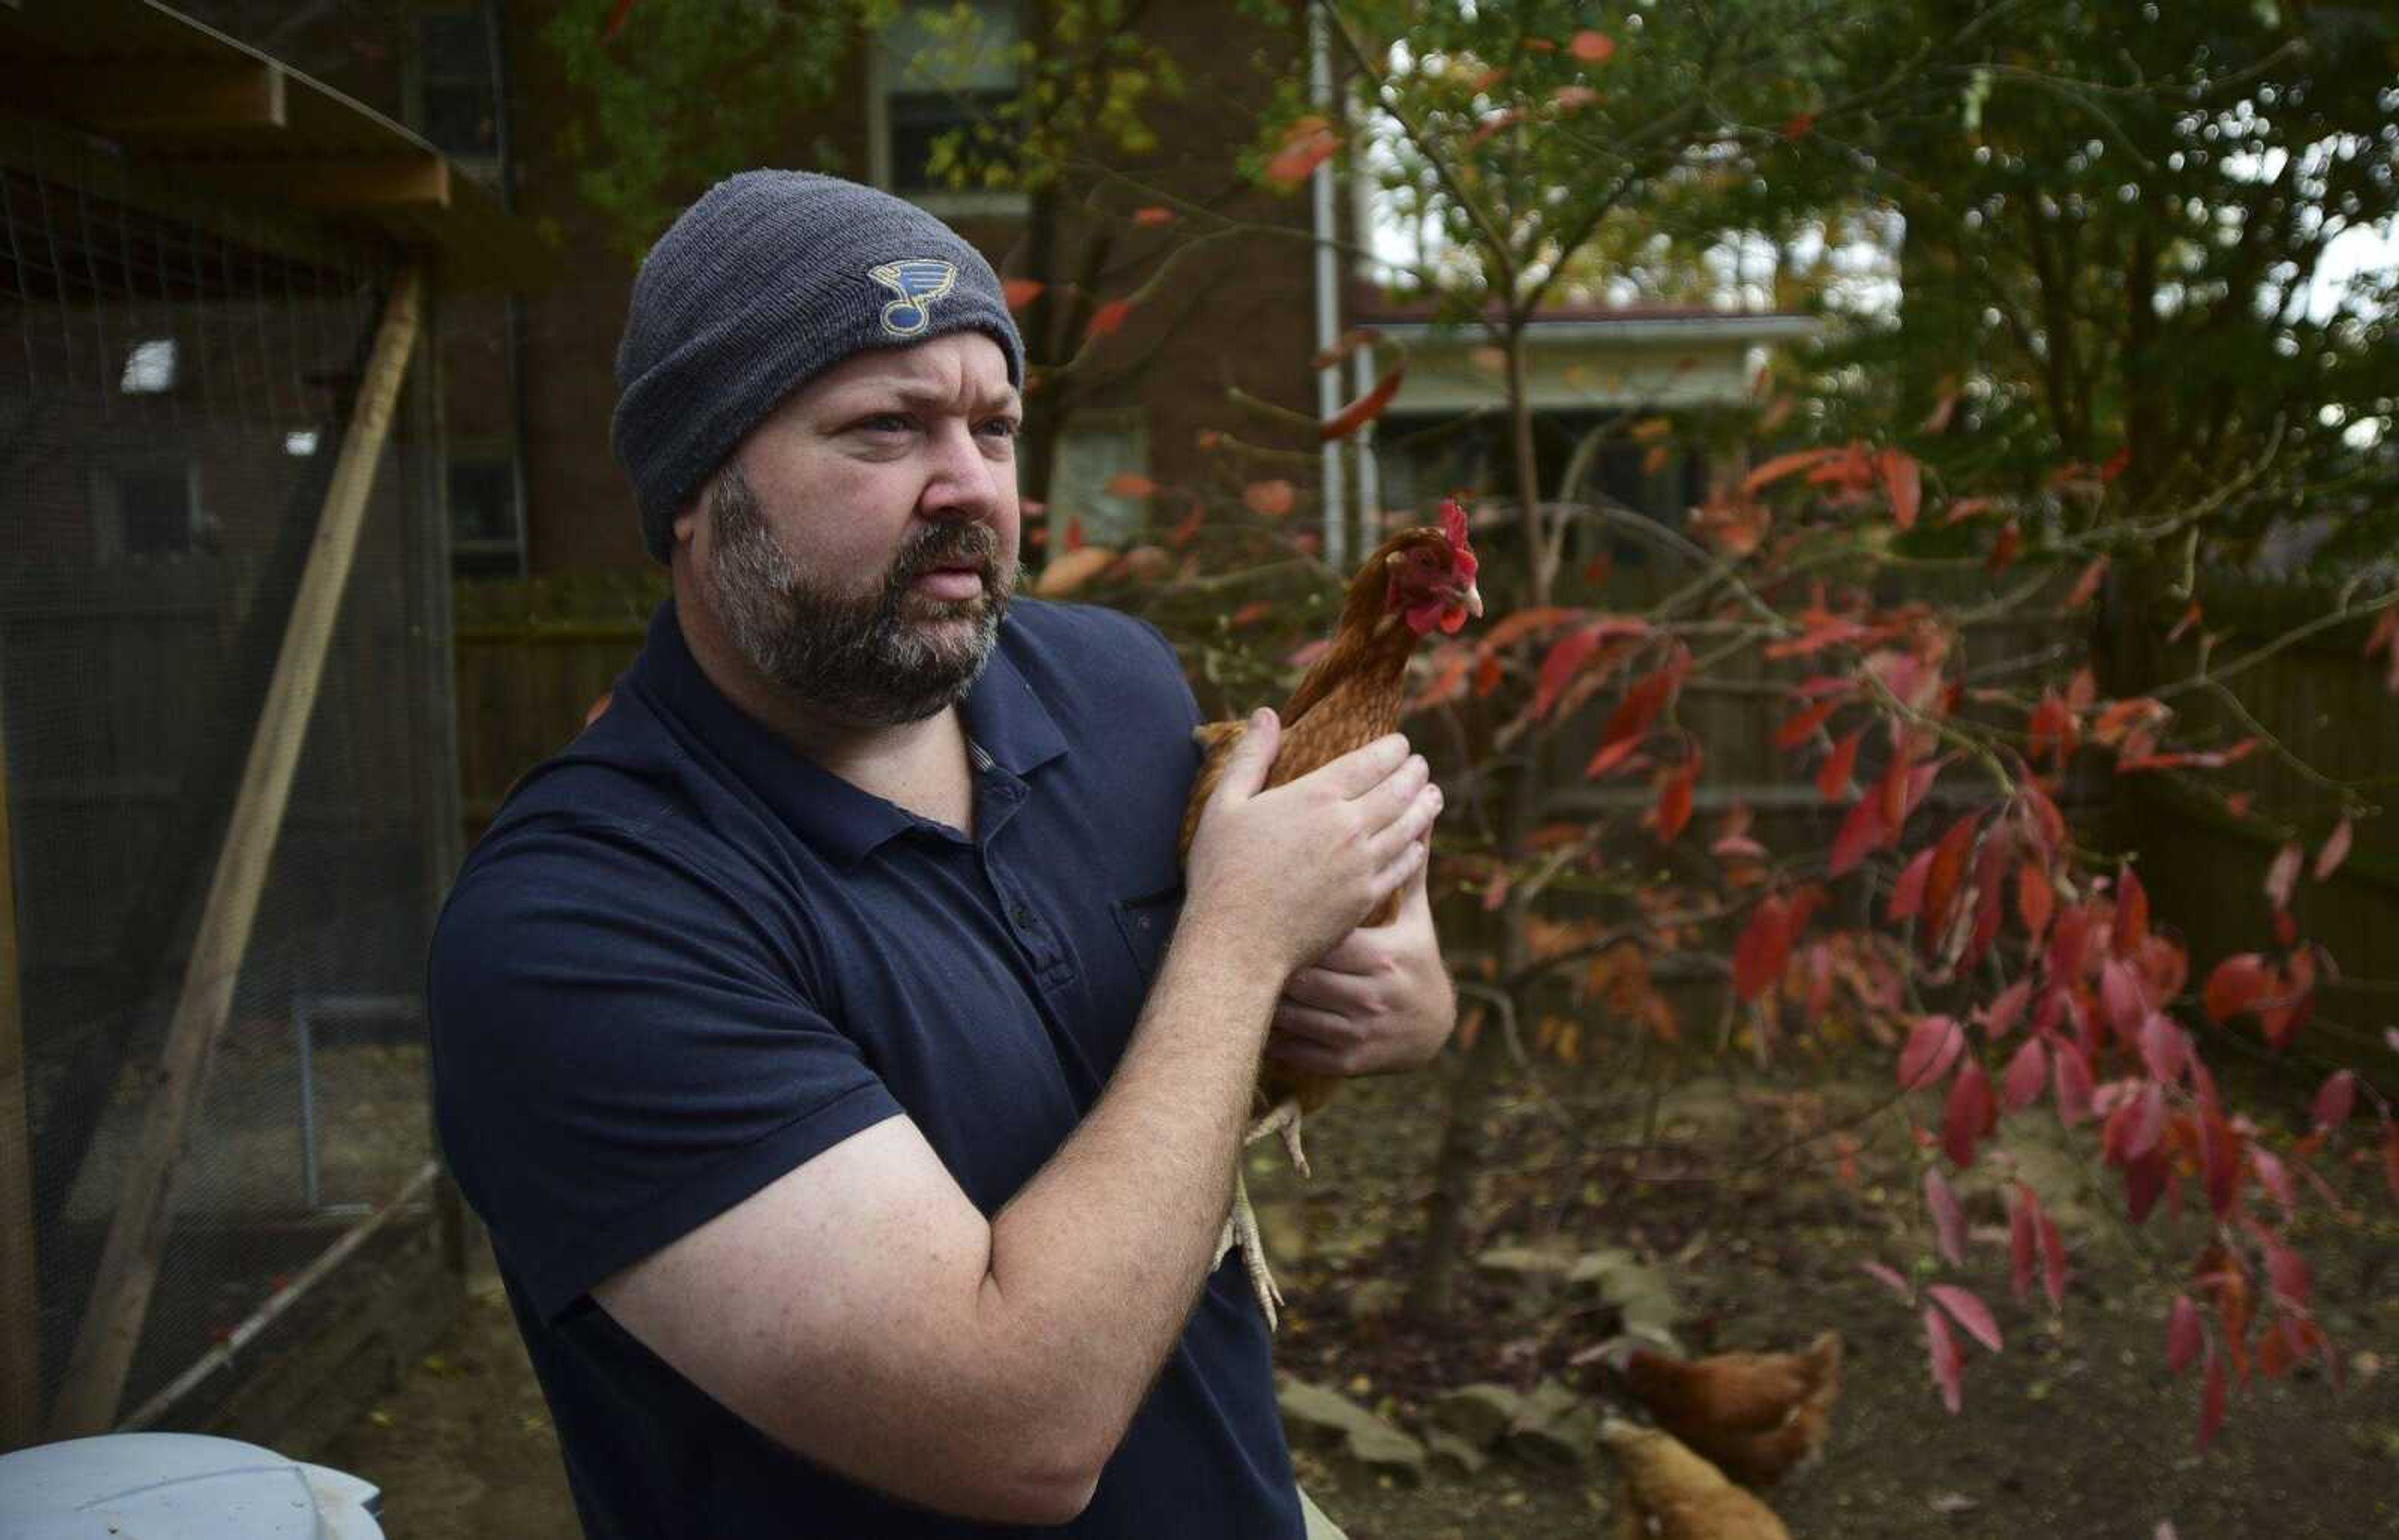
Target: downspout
<point x="1367" y="366"/>
<point x="1328" y="297"/>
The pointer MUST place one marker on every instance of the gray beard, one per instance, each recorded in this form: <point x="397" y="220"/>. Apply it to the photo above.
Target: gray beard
<point x="867" y="660"/>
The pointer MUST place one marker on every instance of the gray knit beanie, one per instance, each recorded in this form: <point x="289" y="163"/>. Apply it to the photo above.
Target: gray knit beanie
<point x="768" y="280"/>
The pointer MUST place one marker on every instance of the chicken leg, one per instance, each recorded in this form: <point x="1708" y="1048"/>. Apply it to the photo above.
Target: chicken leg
<point x="1241" y="1230"/>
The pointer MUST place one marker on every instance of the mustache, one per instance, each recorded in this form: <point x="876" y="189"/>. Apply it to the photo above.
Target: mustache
<point x="948" y="546"/>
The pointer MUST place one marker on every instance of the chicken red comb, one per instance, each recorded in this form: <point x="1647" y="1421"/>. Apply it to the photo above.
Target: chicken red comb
<point x="1453" y="524"/>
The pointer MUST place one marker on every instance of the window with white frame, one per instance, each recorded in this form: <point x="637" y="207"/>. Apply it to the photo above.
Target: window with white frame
<point x="1094" y="450"/>
<point x="943" y="77"/>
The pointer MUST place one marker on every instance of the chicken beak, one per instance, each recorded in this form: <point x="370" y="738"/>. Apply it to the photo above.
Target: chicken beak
<point x="1473" y="600"/>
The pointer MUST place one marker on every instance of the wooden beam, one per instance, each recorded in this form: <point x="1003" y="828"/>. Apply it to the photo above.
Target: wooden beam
<point x="137" y="97"/>
<point x="410" y="182"/>
<point x="137" y="1239"/>
<point x="21" y="1296"/>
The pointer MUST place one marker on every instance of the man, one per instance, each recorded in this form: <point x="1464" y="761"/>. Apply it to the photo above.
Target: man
<point x="854" y="1148"/>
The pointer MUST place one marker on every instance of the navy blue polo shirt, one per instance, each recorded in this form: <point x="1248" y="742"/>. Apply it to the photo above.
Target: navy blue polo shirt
<point x="685" y="959"/>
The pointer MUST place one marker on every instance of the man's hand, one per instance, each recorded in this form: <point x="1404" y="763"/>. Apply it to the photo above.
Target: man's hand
<point x="1292" y="871"/>
<point x="1379" y="1001"/>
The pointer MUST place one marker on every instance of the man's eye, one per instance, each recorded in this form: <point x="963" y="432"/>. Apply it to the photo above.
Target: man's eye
<point x="885" y="421"/>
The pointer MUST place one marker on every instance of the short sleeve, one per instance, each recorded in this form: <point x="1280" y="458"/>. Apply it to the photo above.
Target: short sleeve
<point x="621" y="1052"/>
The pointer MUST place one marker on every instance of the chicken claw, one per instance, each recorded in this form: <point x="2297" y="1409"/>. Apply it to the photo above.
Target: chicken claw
<point x="1241" y="1230"/>
<point x="1283" y="1120"/>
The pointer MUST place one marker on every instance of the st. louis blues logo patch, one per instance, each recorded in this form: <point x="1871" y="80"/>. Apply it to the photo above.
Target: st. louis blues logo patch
<point x="919" y="281"/>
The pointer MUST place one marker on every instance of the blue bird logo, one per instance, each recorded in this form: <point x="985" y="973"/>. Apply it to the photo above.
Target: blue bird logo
<point x="919" y="281"/>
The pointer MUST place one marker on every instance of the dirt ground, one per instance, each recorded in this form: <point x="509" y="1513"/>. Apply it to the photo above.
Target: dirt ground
<point x="2074" y="1430"/>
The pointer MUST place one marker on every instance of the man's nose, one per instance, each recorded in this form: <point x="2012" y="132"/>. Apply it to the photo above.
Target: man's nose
<point x="963" y="482"/>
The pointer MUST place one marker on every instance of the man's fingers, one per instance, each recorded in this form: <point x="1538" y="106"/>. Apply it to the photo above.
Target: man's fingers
<point x="1399" y="869"/>
<point x="1295" y="1023"/>
<point x="1321" y="988"/>
<point x="1361" y="770"/>
<point x="1414" y="821"/>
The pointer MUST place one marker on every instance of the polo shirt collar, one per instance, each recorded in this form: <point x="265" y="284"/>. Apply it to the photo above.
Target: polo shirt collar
<point x="1003" y="717"/>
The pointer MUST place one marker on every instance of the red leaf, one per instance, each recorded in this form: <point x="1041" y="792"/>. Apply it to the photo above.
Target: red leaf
<point x="615" y="24"/>
<point x="2132" y="925"/>
<point x="1861" y="832"/>
<point x="1907" y="894"/>
<point x="1108" y="318"/>
<point x="2052" y="1263"/>
<point x="2008" y="1009"/>
<point x="2283" y="875"/>
<point x="1833" y="777"/>
<point x="1948" y="1362"/>
<point x="1932" y="1046"/>
<point x="2027" y="1072"/>
<point x="1566" y="655"/>
<point x="1782" y="465"/>
<point x="1591" y="47"/>
<point x="1948" y="1220"/>
<point x="2274" y="1177"/>
<point x="2211" y="1399"/>
<point x="1971" y="1313"/>
<point x="1948" y="870"/>
<point x="2070" y="1073"/>
<point x="2121" y="995"/>
<point x="2004" y="549"/>
<point x="2146" y="1123"/>
<point x="2087" y="584"/>
<point x="1889" y="1278"/>
<point x="1801" y="726"/>
<point x="2237" y="984"/>
<point x="1611" y="758"/>
<point x="2164" y="1049"/>
<point x="1765" y="946"/>
<point x="1020" y="292"/>
<point x="2334" y="1101"/>
<point x="2288" y="1272"/>
<point x="2051" y="730"/>
<point x="1153" y="215"/>
<point x="2184" y="1334"/>
<point x="1675" y="792"/>
<point x="1308" y="144"/>
<point x="1271" y="499"/>
<point x="1969" y="1114"/>
<point x="1902" y="482"/>
<point x="2035" y="900"/>
<point x="1364" y="410"/>
<point x="2022" y="1240"/>
<point x="1645" y="699"/>
<point x="2335" y="851"/>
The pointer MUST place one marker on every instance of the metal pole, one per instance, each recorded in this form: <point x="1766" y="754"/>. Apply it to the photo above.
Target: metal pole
<point x="1328" y="297"/>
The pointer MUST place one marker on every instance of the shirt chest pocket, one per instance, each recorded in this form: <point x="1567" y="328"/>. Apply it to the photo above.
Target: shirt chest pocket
<point x="1145" y="922"/>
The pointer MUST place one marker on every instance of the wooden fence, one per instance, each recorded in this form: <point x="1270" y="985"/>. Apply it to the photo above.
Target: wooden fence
<point x="531" y="657"/>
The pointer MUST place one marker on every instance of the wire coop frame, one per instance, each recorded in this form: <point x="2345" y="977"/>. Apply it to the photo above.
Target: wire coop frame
<point x="230" y="802"/>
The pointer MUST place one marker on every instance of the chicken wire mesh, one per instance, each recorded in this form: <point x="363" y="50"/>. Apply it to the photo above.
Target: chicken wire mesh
<point x="175" y="387"/>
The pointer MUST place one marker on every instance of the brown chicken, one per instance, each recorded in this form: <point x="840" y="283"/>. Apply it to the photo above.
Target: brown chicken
<point x="1670" y="1494"/>
<point x="1419" y="579"/>
<point x="1754" y="1415"/>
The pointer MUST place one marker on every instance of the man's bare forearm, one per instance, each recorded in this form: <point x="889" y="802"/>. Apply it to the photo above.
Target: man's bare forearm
<point x="1096" y="1262"/>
